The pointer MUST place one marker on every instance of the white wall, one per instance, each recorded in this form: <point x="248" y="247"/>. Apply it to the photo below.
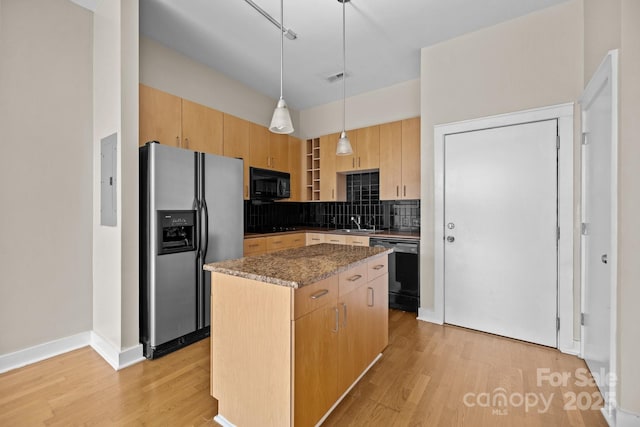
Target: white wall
<point x="45" y="171"/>
<point x="509" y="67"/>
<point x="168" y="70"/>
<point x="397" y="102"/>
<point x="115" y="249"/>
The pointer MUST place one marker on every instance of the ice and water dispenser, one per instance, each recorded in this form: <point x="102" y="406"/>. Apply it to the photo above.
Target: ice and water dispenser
<point x="176" y="231"/>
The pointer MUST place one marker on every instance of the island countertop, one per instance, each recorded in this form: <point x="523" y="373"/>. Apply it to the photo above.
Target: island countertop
<point x="298" y="267"/>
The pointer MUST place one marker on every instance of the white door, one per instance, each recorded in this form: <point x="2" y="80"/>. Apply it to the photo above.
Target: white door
<point x="598" y="232"/>
<point x="500" y="216"/>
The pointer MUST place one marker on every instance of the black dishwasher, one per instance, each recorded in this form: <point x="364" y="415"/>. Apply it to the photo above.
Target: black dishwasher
<point x="404" y="272"/>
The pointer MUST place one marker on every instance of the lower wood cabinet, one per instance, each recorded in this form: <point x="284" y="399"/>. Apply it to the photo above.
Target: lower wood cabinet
<point x="336" y="330"/>
<point x="262" y="245"/>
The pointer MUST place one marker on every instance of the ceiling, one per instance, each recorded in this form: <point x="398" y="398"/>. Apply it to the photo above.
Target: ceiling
<point x="383" y="39"/>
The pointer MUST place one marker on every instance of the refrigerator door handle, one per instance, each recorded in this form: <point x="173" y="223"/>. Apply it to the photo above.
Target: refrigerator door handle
<point x="204" y="223"/>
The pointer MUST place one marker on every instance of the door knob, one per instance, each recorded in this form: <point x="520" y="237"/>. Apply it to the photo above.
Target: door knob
<point x="451" y="226"/>
<point x="603" y="258"/>
<point x="450" y="239"/>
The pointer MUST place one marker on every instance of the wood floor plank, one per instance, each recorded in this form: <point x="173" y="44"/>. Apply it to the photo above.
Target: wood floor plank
<point x="429" y="375"/>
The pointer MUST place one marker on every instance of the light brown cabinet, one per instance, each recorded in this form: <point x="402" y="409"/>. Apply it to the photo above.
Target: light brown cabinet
<point x="262" y="245"/>
<point x="160" y="117"/>
<point x="255" y="246"/>
<point x="315" y="238"/>
<point x="400" y="160"/>
<point x="178" y="122"/>
<point x="274" y="369"/>
<point x="332" y="184"/>
<point x="202" y="128"/>
<point x="268" y="150"/>
<point x="366" y="150"/>
<point x="294" y="146"/>
<point x="236" y="144"/>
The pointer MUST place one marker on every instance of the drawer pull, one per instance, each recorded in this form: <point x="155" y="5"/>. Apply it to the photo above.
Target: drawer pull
<point x="277" y="242"/>
<point x="378" y="267"/>
<point x="372" y="296"/>
<point x="315" y="238"/>
<point x="355" y="277"/>
<point x="319" y="294"/>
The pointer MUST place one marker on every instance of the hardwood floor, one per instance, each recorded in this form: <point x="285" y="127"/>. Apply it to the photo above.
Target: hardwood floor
<point x="429" y="375"/>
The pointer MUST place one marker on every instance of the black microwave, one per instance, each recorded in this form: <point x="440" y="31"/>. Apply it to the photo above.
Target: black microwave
<point x="267" y="184"/>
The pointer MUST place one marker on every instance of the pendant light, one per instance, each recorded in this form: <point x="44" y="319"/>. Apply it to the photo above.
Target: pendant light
<point x="344" y="145"/>
<point x="281" y="120"/>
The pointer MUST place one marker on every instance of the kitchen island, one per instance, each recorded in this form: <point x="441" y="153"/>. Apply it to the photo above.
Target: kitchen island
<point x="292" y="331"/>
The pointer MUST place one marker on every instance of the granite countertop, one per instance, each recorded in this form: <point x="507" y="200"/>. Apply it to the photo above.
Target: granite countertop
<point x="413" y="235"/>
<point x="298" y="267"/>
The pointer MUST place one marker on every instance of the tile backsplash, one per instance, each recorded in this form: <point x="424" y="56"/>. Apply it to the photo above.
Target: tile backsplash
<point x="363" y="200"/>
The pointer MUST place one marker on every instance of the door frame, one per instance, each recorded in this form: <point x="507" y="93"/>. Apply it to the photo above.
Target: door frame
<point x="564" y="113"/>
<point x="607" y="72"/>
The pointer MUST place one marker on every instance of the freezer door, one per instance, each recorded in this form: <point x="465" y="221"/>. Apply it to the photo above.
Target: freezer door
<point x="172" y="276"/>
<point x="222" y="189"/>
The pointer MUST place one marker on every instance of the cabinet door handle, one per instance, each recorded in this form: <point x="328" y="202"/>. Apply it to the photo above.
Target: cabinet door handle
<point x="371" y="294"/>
<point x="397" y="191"/>
<point x="177" y="141"/>
<point x="344" y="310"/>
<point x="378" y="267"/>
<point x="186" y="142"/>
<point x="247" y="190"/>
<point x="358" y="161"/>
<point x="319" y="294"/>
<point x="337" y="319"/>
<point x="405" y="190"/>
<point x="354" y="277"/>
<point x="333" y="193"/>
<point x="353" y="162"/>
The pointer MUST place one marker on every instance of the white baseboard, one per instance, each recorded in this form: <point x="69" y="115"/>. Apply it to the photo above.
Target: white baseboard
<point x="223" y="421"/>
<point x="43" y="351"/>
<point x="574" y="349"/>
<point x="625" y="419"/>
<point x="429" y="315"/>
<point x="117" y="359"/>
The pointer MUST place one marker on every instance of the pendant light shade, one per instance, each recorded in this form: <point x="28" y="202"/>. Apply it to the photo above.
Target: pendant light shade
<point x="281" y="120"/>
<point x="344" y="145"/>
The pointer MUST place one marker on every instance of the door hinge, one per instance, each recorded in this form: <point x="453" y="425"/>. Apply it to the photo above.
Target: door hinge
<point x="557" y="323"/>
<point x="558" y="233"/>
<point x="582" y="319"/>
<point x="558" y="142"/>
<point x="585" y="141"/>
<point x="584" y="229"/>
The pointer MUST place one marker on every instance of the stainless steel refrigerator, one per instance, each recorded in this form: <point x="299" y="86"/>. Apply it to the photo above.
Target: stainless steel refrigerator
<point x="191" y="213"/>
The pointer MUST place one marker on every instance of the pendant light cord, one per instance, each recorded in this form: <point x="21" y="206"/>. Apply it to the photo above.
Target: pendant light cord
<point x="281" y="43"/>
<point x="344" y="71"/>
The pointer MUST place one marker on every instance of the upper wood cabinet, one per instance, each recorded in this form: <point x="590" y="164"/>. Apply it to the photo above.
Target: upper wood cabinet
<point x="328" y="176"/>
<point x="400" y="160"/>
<point x="294" y="148"/>
<point x="202" y="128"/>
<point x="160" y="117"/>
<point x="178" y="122"/>
<point x="268" y="150"/>
<point x="259" y="152"/>
<point x="279" y="151"/>
<point x="366" y="150"/>
<point x="411" y="158"/>
<point x="236" y="144"/>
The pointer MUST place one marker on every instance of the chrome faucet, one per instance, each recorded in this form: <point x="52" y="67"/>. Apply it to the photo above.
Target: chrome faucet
<point x="357" y="221"/>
